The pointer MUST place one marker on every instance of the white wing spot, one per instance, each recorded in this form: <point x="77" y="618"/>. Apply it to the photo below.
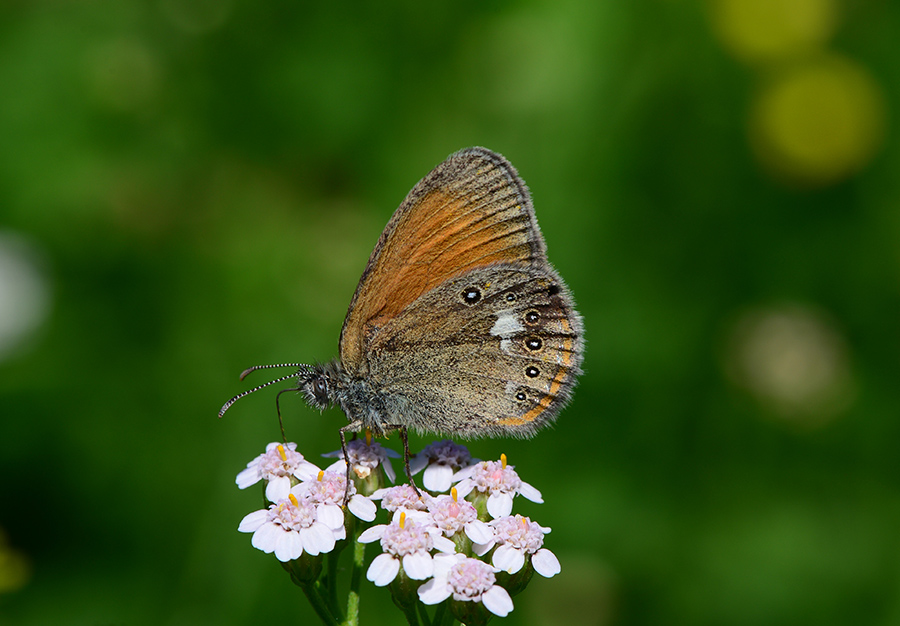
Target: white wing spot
<point x="507" y="325"/>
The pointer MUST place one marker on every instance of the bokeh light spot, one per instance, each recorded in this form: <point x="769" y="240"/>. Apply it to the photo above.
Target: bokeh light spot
<point x="24" y="293"/>
<point x="819" y="122"/>
<point x="792" y="360"/>
<point x="15" y="568"/>
<point x="761" y="30"/>
<point x="124" y="74"/>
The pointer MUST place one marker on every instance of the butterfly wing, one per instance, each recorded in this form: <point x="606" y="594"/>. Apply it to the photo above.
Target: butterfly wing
<point x="471" y="211"/>
<point x="504" y="363"/>
<point x="459" y="323"/>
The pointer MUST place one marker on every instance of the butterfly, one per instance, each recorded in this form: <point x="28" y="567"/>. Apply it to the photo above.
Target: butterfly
<point x="459" y="325"/>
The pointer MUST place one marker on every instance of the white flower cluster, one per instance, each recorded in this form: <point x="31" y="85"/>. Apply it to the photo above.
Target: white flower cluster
<point x="457" y="543"/>
<point x="303" y="517"/>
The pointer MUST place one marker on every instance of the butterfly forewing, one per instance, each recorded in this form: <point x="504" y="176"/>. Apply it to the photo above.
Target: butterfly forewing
<point x="471" y="211"/>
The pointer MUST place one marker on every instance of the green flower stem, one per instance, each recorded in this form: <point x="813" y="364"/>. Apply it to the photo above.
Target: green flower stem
<point x="312" y="593"/>
<point x="412" y="616"/>
<point x="424" y="614"/>
<point x="330" y="580"/>
<point x="404" y="595"/>
<point x="356" y="569"/>
<point x="443" y="617"/>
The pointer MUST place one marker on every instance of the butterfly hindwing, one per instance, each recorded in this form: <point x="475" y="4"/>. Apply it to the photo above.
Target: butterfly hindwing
<point x="501" y="354"/>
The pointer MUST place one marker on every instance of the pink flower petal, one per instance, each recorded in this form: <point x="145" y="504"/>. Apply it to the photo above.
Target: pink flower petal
<point x="249" y="476"/>
<point x="331" y="515"/>
<point x="443" y="563"/>
<point x="464" y="487"/>
<point x="444" y="544"/>
<point x="318" y="538"/>
<point x="530" y="493"/>
<point x="306" y="471"/>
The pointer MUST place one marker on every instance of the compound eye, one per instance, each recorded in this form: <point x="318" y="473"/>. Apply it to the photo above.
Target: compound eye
<point x="320" y="389"/>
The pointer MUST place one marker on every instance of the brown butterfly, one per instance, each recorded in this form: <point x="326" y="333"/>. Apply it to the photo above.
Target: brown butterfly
<point x="459" y="324"/>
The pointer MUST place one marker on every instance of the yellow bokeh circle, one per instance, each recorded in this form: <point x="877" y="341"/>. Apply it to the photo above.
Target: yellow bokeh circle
<point x="818" y="122"/>
<point x="763" y="30"/>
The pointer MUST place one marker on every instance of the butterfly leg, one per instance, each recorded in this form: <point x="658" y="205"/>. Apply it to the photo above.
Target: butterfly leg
<point x="353" y="427"/>
<point x="404" y="437"/>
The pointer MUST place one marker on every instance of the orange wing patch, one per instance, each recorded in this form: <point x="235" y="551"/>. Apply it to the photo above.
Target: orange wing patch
<point x="471" y="211"/>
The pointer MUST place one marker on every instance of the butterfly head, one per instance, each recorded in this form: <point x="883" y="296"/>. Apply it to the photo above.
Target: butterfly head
<point x="320" y="384"/>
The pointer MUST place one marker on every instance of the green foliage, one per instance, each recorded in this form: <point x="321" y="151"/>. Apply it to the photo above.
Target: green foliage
<point x="199" y="185"/>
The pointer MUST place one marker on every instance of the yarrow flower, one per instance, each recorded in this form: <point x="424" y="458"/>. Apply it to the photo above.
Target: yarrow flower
<point x="439" y="460"/>
<point x="364" y="459"/>
<point x="434" y="539"/>
<point x="499" y="481"/>
<point x="290" y="528"/>
<point x="327" y="491"/>
<point x="401" y="498"/>
<point x="404" y="541"/>
<point x="516" y="537"/>
<point x="452" y="515"/>
<point x="281" y="466"/>
<point x="465" y="580"/>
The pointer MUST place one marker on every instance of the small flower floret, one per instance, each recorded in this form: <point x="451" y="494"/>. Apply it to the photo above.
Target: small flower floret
<point x="290" y="528"/>
<point x="404" y="541"/>
<point x="465" y="580"/>
<point x="280" y="466"/>
<point x="500" y="481"/>
<point x="451" y="516"/>
<point x="402" y="498"/>
<point x="364" y="459"/>
<point x="440" y="460"/>
<point x="327" y="492"/>
<point x="517" y="537"/>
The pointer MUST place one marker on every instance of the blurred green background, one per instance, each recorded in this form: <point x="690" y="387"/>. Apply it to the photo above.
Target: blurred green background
<point x="191" y="187"/>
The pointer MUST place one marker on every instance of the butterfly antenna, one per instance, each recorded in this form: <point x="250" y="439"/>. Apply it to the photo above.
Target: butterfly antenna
<point x="303" y="368"/>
